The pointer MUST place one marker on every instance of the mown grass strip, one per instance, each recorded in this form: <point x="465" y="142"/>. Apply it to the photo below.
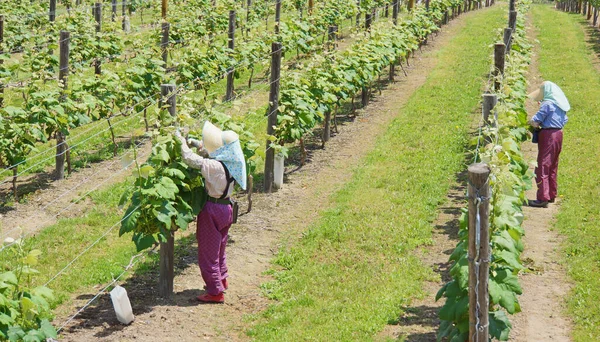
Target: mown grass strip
<point x="567" y="60"/>
<point x="352" y="272"/>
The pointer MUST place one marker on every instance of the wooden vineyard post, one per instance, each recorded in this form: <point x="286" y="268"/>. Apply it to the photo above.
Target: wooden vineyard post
<point x="171" y="100"/>
<point x="331" y="36"/>
<point x="507" y="39"/>
<point x="272" y="113"/>
<point x="499" y="52"/>
<point x="164" y="42"/>
<point x="52" y="11"/>
<point x="167" y="248"/>
<point x="395" y="9"/>
<point x="277" y="16"/>
<point x="1" y="60"/>
<point x="368" y="20"/>
<point x="311" y="5"/>
<point x="125" y="24"/>
<point x="231" y="46"/>
<point x="489" y="102"/>
<point x="327" y="121"/>
<point x="250" y="190"/>
<point x="63" y="75"/>
<point x="248" y="6"/>
<point x="114" y="10"/>
<point x="512" y="20"/>
<point x="163" y="9"/>
<point x="411" y="5"/>
<point x="64" y="47"/>
<point x="479" y="251"/>
<point x="98" y="18"/>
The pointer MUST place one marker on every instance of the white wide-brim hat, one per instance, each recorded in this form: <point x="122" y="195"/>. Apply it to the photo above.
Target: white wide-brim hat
<point x="213" y="138"/>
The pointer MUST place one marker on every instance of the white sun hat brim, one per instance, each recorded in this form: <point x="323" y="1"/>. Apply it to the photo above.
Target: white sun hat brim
<point x="211" y="137"/>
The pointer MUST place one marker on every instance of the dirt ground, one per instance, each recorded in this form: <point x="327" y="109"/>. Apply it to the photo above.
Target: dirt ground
<point x="276" y="217"/>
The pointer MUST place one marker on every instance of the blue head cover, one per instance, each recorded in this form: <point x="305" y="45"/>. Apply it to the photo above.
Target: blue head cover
<point x="232" y="156"/>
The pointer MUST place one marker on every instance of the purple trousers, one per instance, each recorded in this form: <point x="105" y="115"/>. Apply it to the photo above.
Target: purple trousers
<point x="211" y="232"/>
<point x="549" y="147"/>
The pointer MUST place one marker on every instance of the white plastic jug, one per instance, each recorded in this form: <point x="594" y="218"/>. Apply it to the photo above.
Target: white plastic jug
<point x="122" y="305"/>
<point x="278" y="170"/>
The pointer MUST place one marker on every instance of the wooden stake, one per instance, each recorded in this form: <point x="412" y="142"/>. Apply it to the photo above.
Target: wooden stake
<point x="164" y="42"/>
<point x="489" y="102"/>
<point x="395" y="9"/>
<point x="499" y="53"/>
<point x="125" y="24"/>
<point x="248" y="6"/>
<point x="63" y="75"/>
<point x="326" y="127"/>
<point x="250" y="190"/>
<point x="507" y="39"/>
<point x="331" y="33"/>
<point x="512" y="20"/>
<point x="114" y="10"/>
<point x="98" y="18"/>
<point x="164" y="6"/>
<point x="277" y="16"/>
<point x="167" y="248"/>
<point x="272" y="113"/>
<point x="166" y="266"/>
<point x="479" y="251"/>
<point x="231" y="46"/>
<point x="171" y="100"/>
<point x="52" y="11"/>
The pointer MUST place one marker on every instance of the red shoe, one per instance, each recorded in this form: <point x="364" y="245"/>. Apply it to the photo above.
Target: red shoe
<point x="208" y="298"/>
<point x="225" y="284"/>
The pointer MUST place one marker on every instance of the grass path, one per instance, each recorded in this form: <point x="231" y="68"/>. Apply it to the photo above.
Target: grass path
<point x="566" y="59"/>
<point x="355" y="268"/>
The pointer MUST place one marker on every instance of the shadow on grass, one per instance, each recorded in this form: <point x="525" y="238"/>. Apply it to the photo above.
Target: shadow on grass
<point x="422" y="316"/>
<point x="593" y="36"/>
<point x="142" y="288"/>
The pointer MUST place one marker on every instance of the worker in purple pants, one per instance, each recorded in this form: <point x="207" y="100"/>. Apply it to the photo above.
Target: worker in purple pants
<point x="550" y="120"/>
<point x="224" y="165"/>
